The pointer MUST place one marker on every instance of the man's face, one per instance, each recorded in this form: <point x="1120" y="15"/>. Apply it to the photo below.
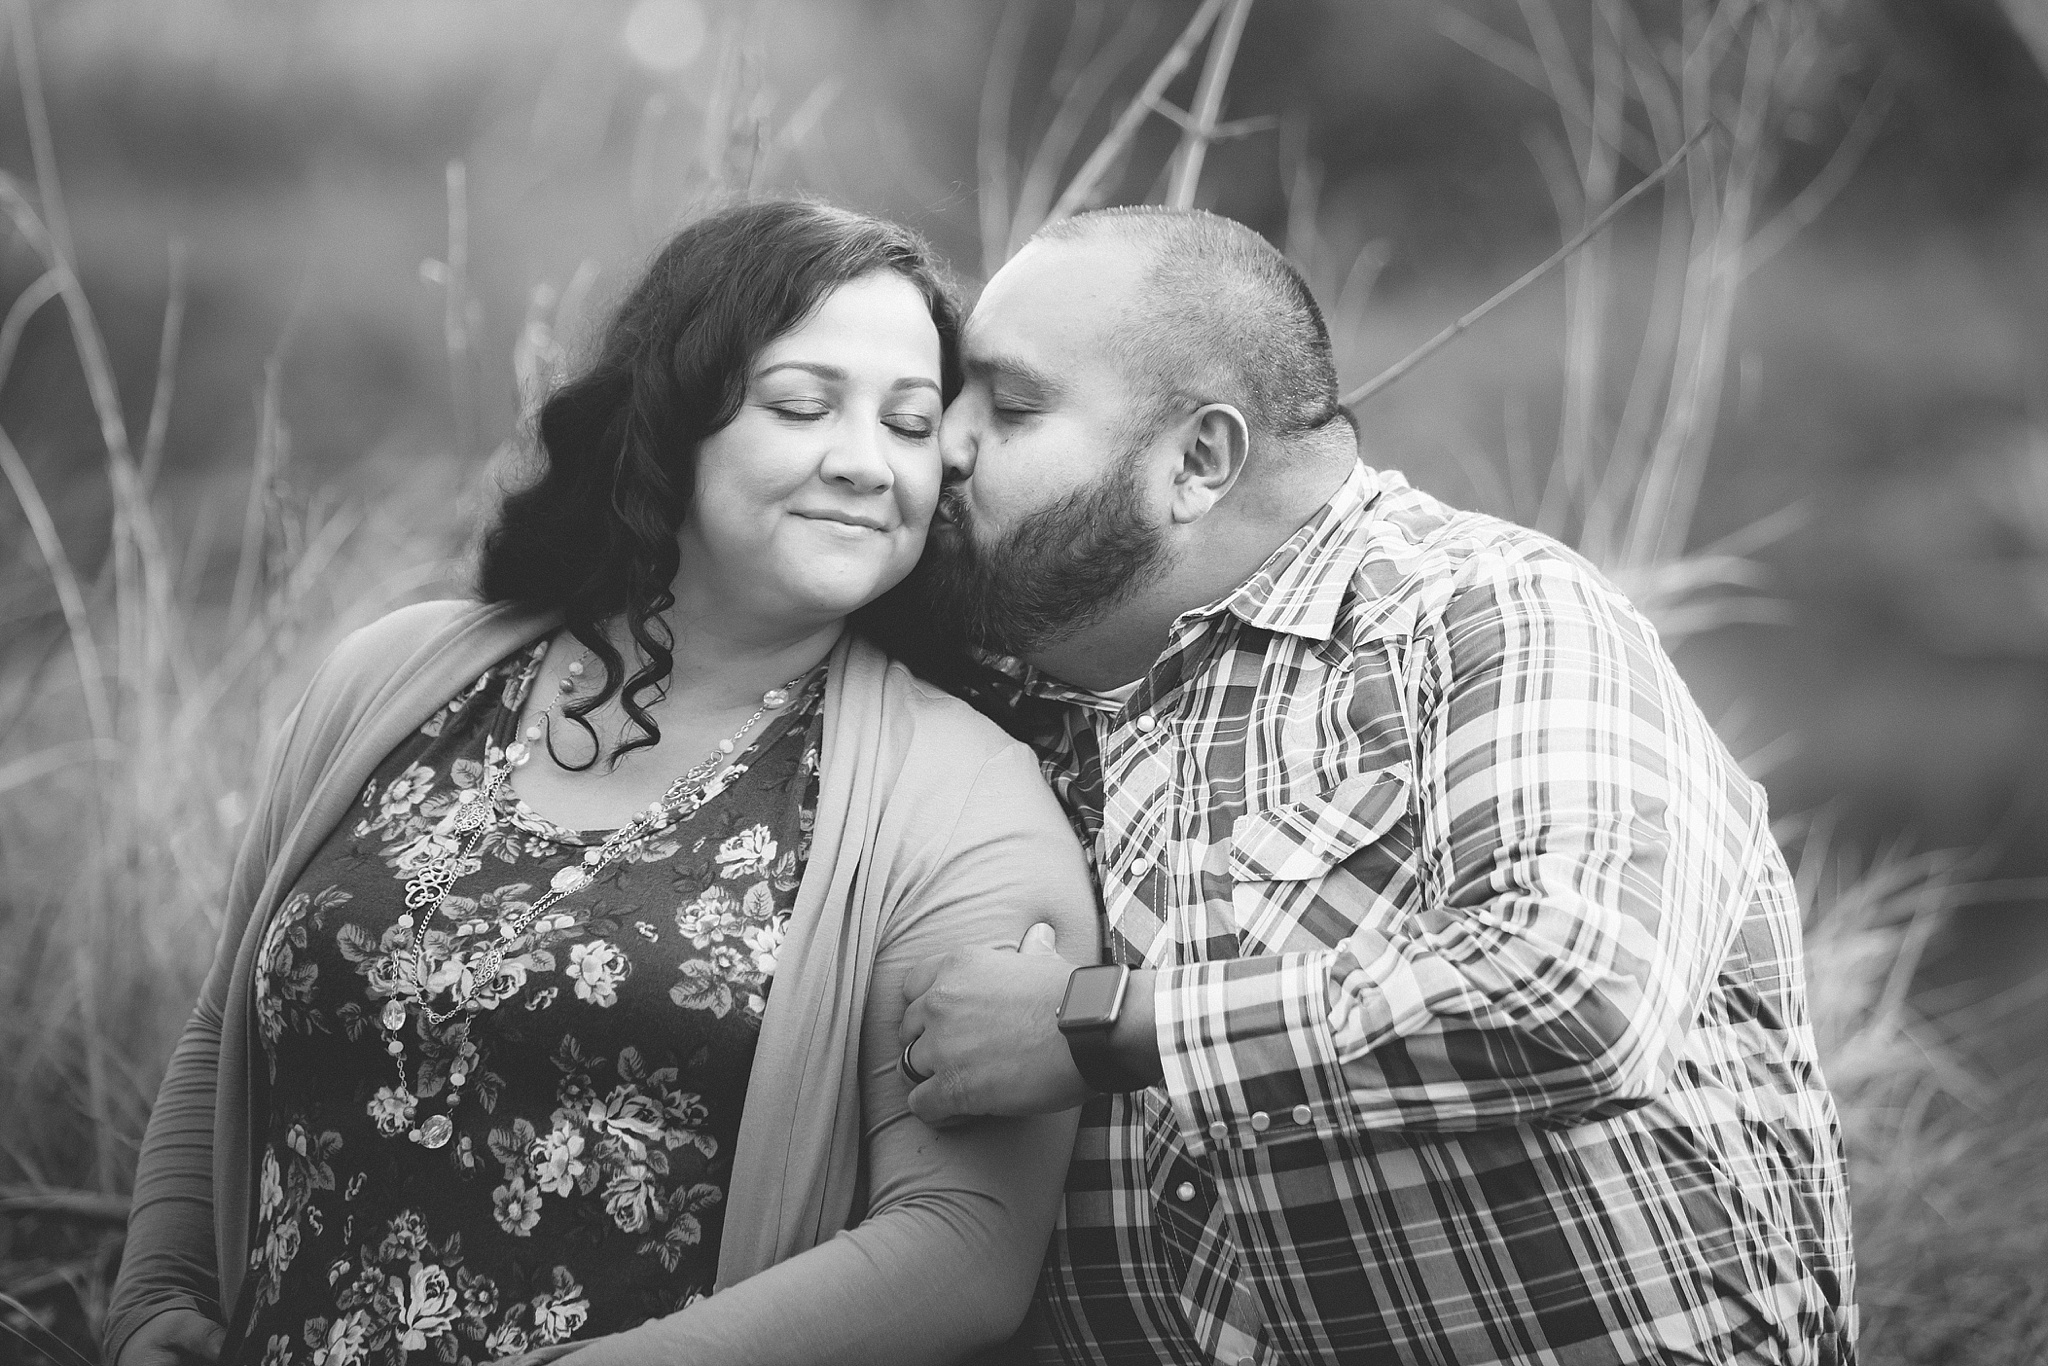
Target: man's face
<point x="1049" y="516"/>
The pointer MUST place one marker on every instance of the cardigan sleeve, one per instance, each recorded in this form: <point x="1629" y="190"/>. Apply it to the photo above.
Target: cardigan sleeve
<point x="169" y="1260"/>
<point x="957" y="1223"/>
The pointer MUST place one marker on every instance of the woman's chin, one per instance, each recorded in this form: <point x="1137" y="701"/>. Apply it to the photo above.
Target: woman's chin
<point x="841" y="584"/>
<point x="841" y="597"/>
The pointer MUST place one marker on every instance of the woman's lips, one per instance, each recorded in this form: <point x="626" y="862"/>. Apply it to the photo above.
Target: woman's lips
<point x="851" y="521"/>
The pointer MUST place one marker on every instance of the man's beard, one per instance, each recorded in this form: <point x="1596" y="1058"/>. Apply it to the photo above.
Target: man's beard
<point x="1058" y="571"/>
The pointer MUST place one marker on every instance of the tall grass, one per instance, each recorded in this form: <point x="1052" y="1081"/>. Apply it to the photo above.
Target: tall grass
<point x="135" y="699"/>
<point x="137" y="691"/>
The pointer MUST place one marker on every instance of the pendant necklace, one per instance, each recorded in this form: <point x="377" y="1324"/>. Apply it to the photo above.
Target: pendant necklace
<point x="475" y="817"/>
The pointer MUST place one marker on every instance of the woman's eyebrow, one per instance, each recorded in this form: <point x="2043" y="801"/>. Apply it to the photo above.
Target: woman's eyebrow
<point x="830" y="372"/>
<point x="836" y="375"/>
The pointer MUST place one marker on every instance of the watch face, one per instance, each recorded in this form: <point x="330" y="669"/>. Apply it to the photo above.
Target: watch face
<point x="1093" y="995"/>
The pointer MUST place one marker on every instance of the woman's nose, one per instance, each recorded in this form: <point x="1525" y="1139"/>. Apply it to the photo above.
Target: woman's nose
<point x="856" y="459"/>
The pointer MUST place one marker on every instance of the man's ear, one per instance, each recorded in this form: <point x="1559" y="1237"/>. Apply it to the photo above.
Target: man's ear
<point x="1213" y="451"/>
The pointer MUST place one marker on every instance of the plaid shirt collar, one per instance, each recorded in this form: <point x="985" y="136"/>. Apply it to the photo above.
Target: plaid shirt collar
<point x="1298" y="591"/>
<point x="1300" y="588"/>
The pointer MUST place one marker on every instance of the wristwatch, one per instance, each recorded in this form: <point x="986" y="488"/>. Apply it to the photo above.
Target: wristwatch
<point x="1088" y="1014"/>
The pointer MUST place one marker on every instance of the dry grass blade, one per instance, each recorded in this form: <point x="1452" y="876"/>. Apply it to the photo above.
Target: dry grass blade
<point x="1503" y="52"/>
<point x="85" y="650"/>
<point x="45" y="1343"/>
<point x="166" y="370"/>
<point x="1550" y="263"/>
<point x="55" y="759"/>
<point x="1082" y="95"/>
<point x="1819" y="192"/>
<point x="44" y="288"/>
<point x="992" y="143"/>
<point x="272" y="443"/>
<point x="456" y="320"/>
<point x="87" y="1205"/>
<point x="56" y="239"/>
<point x="1087" y="182"/>
<point x="1202" y="129"/>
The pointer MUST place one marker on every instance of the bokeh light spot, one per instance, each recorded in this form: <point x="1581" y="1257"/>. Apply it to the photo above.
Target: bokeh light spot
<point x="665" y="35"/>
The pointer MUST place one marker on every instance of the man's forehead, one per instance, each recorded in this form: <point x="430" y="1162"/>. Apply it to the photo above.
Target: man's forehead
<point x="1054" y="303"/>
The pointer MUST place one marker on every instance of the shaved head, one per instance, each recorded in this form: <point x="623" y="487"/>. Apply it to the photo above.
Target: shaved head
<point x="1148" y="411"/>
<point x="1220" y="317"/>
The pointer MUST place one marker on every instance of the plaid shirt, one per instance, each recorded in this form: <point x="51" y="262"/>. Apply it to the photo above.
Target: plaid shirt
<point x="1480" y="1000"/>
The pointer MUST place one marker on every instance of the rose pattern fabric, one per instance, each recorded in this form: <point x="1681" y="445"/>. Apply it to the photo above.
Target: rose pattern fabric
<point x="603" y="1083"/>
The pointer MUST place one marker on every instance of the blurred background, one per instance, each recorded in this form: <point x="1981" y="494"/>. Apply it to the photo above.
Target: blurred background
<point x="282" y="277"/>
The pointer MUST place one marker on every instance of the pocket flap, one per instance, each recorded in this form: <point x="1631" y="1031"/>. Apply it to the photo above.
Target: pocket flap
<point x="1306" y="839"/>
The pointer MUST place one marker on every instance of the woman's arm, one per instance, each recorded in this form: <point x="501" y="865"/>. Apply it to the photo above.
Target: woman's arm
<point x="169" y="1261"/>
<point x="957" y="1223"/>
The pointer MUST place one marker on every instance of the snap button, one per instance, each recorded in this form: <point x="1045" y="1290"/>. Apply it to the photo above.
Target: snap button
<point x="1145" y="722"/>
<point x="1184" y="1192"/>
<point x="1140" y="866"/>
<point x="1261" y="1121"/>
<point x="1246" y="1361"/>
<point x="1219" y="1131"/>
<point x="1301" y="1114"/>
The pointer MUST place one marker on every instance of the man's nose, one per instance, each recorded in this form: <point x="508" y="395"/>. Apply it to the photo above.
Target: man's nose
<point x="956" y="442"/>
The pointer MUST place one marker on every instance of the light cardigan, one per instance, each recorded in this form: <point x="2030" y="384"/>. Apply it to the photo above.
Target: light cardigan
<point x="852" y="1232"/>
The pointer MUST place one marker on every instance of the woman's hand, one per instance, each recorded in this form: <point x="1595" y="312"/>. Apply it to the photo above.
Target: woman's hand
<point x="176" y="1337"/>
<point x="540" y="1355"/>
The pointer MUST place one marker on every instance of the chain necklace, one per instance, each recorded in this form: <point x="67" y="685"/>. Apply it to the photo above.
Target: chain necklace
<point x="541" y="726"/>
<point x="428" y="888"/>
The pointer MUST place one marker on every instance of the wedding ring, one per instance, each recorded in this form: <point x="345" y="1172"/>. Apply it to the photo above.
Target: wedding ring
<point x="910" y="1072"/>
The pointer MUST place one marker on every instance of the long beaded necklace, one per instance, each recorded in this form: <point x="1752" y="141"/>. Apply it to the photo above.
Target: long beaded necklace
<point x="428" y="888"/>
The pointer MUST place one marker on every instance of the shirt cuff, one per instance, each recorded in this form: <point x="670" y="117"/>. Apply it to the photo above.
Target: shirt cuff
<point x="1247" y="1053"/>
<point x="123" y="1325"/>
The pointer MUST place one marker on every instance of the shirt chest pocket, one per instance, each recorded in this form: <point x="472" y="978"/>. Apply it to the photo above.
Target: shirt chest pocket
<point x="1298" y="882"/>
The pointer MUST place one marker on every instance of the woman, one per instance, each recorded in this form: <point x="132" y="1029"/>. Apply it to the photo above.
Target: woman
<point x="561" y="981"/>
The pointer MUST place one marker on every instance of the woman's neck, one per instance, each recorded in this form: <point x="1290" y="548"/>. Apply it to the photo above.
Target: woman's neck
<point x="722" y="664"/>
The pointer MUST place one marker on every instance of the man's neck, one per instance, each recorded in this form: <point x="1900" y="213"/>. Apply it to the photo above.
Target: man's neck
<point x="1127" y="640"/>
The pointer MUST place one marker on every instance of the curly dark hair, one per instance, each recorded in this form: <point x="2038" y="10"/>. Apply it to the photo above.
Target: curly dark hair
<point x="593" y="535"/>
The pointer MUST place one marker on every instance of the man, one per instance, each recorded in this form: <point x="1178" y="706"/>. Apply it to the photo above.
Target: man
<point x="1455" y="1010"/>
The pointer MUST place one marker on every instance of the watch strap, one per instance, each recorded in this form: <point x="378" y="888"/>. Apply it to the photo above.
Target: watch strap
<point x="1095" y="1059"/>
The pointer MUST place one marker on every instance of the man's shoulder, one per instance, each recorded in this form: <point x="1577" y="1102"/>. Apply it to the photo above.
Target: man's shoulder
<point x="1417" y="553"/>
<point x="1410" y="534"/>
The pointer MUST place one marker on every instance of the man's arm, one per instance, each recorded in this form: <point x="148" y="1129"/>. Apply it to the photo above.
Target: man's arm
<point x="1586" y="845"/>
<point x="1586" y="849"/>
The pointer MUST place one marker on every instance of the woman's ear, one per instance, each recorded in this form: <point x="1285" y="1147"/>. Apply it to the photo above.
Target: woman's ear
<point x="1212" y="455"/>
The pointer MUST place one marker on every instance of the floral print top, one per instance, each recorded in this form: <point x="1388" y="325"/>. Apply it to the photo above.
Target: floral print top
<point x="583" y="1189"/>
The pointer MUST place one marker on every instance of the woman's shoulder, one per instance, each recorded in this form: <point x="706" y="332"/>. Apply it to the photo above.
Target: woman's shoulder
<point x="395" y="661"/>
<point x="371" y="654"/>
<point x="938" y="730"/>
<point x="400" y="632"/>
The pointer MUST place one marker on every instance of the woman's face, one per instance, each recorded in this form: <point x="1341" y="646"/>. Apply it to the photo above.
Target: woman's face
<point x="815" y="499"/>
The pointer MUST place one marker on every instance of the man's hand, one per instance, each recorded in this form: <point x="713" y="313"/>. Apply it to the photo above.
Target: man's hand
<point x="176" y="1337"/>
<point x="984" y="1025"/>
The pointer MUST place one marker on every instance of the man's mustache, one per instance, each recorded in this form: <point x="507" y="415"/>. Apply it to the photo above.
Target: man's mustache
<point x="951" y="509"/>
